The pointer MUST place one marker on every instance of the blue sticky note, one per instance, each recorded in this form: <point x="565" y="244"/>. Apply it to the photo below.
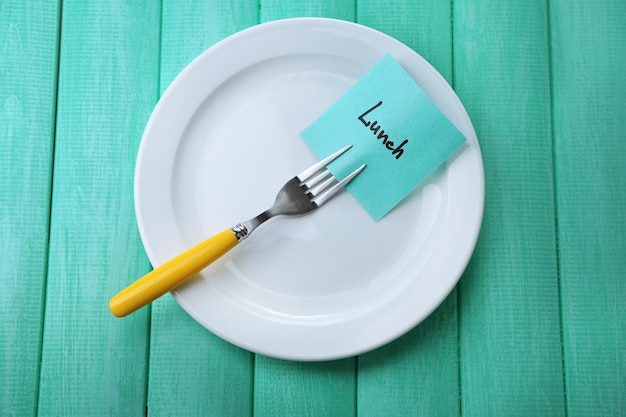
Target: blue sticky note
<point x="395" y="129"/>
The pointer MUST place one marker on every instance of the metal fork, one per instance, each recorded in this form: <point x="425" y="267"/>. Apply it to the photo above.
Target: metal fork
<point x="300" y="195"/>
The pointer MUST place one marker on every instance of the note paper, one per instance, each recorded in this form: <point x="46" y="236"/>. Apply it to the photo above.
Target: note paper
<point x="395" y="129"/>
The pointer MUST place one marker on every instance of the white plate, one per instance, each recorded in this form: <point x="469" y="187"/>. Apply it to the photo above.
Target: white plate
<point x="223" y="139"/>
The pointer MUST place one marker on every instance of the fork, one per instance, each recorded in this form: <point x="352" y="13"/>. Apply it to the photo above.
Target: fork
<point x="300" y="195"/>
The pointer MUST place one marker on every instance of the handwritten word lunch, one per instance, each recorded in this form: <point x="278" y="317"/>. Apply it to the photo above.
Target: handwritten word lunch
<point x="377" y="129"/>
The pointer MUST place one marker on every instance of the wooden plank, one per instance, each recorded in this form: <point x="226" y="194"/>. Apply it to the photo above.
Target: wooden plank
<point x="284" y="388"/>
<point x="510" y="345"/>
<point x="189" y="27"/>
<point x="93" y="363"/>
<point x="284" y="9"/>
<point x="424" y="25"/>
<point x="192" y="372"/>
<point x="294" y="388"/>
<point x="589" y="59"/>
<point x="417" y="374"/>
<point x="28" y="47"/>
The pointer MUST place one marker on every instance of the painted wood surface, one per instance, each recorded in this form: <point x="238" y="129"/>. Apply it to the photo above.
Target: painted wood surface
<point x="305" y="389"/>
<point x="419" y="373"/>
<point x="589" y="91"/>
<point x="203" y="375"/>
<point x="28" y="34"/>
<point x="510" y="343"/>
<point x="535" y="326"/>
<point x="90" y="362"/>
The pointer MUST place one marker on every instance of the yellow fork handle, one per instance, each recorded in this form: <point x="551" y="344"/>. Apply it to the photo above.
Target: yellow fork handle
<point x="172" y="273"/>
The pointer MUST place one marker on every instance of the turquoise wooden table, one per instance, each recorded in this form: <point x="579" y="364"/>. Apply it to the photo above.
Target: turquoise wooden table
<point x="535" y="327"/>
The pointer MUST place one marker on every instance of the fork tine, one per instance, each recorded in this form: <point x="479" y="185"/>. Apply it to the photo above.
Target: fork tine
<point x="321" y="164"/>
<point x="327" y="195"/>
<point x="316" y="178"/>
<point x="317" y="189"/>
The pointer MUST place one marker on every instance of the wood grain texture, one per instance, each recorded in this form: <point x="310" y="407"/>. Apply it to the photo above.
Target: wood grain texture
<point x="92" y="363"/>
<point x="283" y="9"/>
<point x="284" y="388"/>
<point x="192" y="372"/>
<point x="293" y="388"/>
<point x="424" y="25"/>
<point x="417" y="374"/>
<point x="589" y="60"/>
<point x="190" y="27"/>
<point x="28" y="62"/>
<point x="510" y="345"/>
